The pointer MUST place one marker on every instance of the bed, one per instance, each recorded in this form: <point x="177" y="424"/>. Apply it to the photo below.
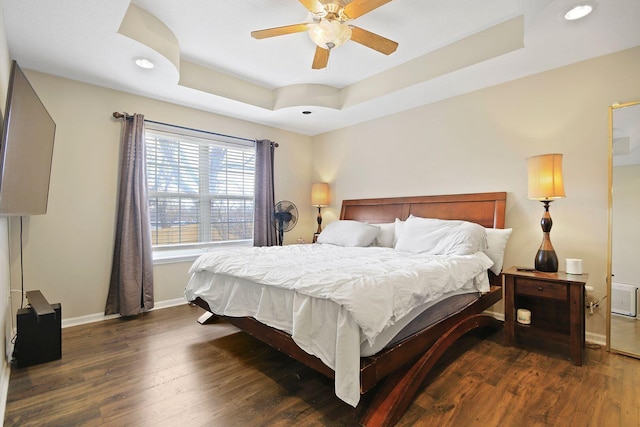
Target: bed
<point x="403" y="363"/>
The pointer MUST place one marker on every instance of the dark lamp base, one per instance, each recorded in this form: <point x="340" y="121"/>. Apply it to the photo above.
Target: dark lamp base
<point x="546" y="261"/>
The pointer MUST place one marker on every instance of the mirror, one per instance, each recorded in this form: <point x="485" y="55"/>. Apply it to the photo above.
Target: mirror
<point x="623" y="275"/>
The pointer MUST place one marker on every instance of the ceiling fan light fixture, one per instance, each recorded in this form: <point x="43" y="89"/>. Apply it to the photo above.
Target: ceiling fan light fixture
<point x="578" y="12"/>
<point x="328" y="34"/>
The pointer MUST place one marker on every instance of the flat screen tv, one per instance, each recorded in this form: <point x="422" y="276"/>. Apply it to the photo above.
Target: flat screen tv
<point x="26" y="150"/>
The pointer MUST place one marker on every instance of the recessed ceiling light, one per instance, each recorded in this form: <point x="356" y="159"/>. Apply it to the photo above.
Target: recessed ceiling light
<point x="143" y="63"/>
<point x="578" y="12"/>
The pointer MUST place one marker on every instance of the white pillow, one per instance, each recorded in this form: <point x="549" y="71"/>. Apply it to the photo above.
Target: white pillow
<point x="386" y="235"/>
<point x="399" y="224"/>
<point x="441" y="237"/>
<point x="497" y="241"/>
<point x="348" y="233"/>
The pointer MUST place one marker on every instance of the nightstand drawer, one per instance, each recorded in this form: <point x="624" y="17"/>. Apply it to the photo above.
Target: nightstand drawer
<point x="538" y="288"/>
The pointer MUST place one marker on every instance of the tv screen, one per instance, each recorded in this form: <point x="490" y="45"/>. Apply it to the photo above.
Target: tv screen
<point x="26" y="150"/>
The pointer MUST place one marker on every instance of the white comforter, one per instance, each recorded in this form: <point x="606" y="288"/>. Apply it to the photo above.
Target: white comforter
<point x="370" y="288"/>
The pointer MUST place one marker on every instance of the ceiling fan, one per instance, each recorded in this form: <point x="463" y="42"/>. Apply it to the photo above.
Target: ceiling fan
<point x="330" y="28"/>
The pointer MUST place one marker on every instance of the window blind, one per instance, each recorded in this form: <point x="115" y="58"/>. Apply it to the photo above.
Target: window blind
<point x="201" y="187"/>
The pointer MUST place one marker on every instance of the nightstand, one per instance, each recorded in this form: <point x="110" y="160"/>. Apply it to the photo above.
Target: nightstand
<point x="556" y="303"/>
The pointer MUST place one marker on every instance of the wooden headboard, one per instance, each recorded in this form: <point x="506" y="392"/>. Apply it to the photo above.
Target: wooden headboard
<point x="486" y="209"/>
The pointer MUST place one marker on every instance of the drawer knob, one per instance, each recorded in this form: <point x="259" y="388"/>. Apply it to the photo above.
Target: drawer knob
<point x="540" y="288"/>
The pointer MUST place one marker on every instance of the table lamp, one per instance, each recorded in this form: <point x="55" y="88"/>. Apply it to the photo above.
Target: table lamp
<point x="319" y="199"/>
<point x="545" y="185"/>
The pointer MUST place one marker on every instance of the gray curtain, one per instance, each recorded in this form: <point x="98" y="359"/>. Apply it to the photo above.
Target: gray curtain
<point x="264" y="233"/>
<point x="131" y="286"/>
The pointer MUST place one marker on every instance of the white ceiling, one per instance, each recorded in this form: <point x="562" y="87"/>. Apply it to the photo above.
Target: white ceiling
<point x="209" y="61"/>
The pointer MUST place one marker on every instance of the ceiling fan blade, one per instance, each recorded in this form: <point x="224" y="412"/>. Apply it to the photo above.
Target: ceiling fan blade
<point x="373" y="41"/>
<point x="359" y="7"/>
<point x="314" y="6"/>
<point x="279" y="31"/>
<point x="321" y="58"/>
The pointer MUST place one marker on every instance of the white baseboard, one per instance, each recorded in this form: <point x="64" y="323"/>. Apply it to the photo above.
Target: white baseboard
<point x="98" y="317"/>
<point x="498" y="315"/>
<point x="599" y="339"/>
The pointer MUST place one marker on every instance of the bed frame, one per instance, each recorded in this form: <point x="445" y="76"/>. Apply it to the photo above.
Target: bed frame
<point x="404" y="366"/>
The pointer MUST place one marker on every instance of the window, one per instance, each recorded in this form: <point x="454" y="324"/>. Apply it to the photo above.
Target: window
<point x="200" y="188"/>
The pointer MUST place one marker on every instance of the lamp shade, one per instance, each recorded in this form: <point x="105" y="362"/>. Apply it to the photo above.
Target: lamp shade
<point x="545" y="177"/>
<point x="320" y="194"/>
<point x="328" y="34"/>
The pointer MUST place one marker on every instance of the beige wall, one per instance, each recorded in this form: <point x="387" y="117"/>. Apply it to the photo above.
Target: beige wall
<point x="68" y="251"/>
<point x="479" y="142"/>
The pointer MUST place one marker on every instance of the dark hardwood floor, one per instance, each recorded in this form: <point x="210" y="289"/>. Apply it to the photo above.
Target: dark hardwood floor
<point x="164" y="369"/>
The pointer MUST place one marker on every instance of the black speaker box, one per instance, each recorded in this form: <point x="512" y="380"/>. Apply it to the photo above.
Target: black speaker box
<point x="39" y="337"/>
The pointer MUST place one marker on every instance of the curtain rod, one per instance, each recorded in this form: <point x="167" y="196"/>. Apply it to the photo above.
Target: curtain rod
<point x="119" y="115"/>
